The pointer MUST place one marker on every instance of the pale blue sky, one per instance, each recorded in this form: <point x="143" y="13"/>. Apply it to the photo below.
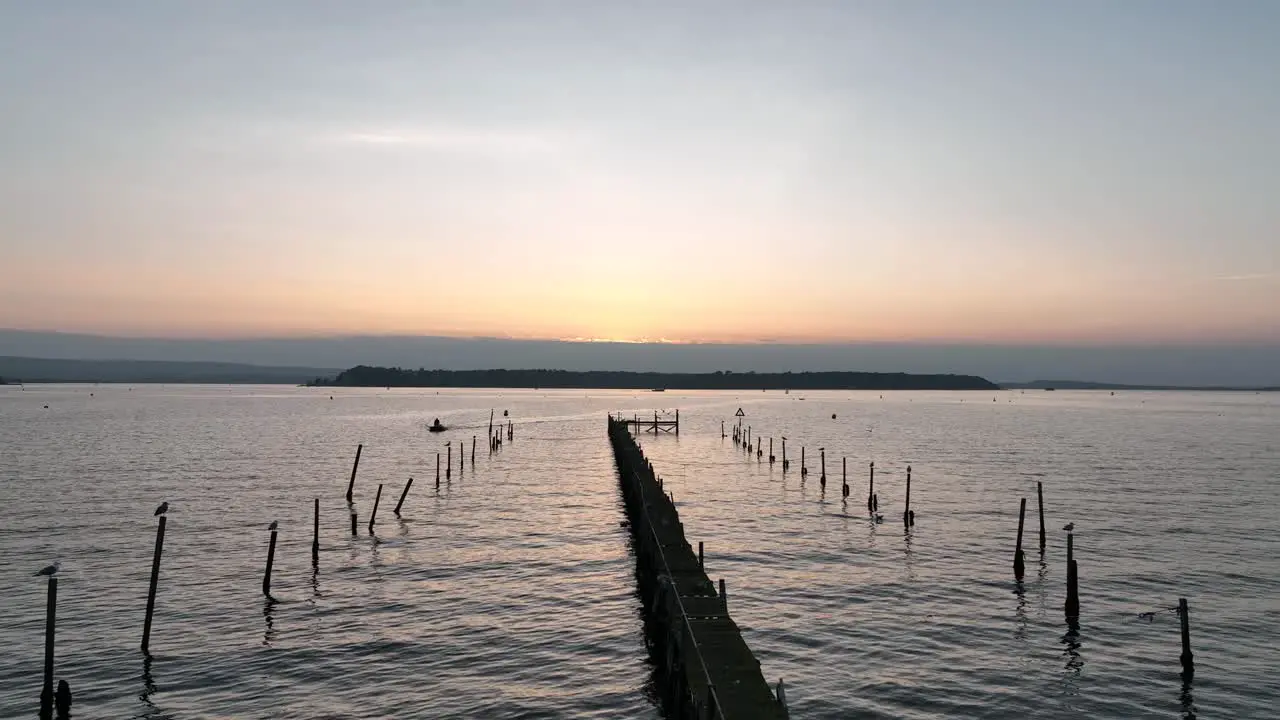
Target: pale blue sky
<point x="836" y="171"/>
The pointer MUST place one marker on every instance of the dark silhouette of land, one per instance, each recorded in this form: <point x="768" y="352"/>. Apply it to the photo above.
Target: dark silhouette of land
<point x="366" y="376"/>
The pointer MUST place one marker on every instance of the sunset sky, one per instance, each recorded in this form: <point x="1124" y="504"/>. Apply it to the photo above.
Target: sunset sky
<point x="1017" y="171"/>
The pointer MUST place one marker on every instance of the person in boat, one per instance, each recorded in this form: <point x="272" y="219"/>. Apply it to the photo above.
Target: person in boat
<point x="436" y="425"/>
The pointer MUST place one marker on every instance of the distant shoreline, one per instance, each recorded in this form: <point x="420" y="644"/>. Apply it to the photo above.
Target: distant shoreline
<point x="366" y="376"/>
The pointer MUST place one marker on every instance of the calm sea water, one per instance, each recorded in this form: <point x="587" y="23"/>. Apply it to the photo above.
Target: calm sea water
<point x="509" y="592"/>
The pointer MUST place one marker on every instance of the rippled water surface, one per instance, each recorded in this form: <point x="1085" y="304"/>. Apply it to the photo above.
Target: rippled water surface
<point x="509" y="592"/>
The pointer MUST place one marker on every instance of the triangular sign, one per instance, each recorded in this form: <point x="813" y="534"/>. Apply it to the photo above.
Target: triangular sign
<point x="739" y="413"/>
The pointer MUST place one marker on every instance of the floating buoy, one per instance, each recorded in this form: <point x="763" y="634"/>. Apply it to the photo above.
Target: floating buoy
<point x="833" y="416"/>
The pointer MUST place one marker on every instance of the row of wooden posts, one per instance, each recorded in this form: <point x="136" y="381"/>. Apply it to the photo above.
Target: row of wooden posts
<point x="743" y="437"/>
<point x="47" y="693"/>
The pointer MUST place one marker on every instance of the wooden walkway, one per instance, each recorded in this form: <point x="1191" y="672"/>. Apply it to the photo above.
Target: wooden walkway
<point x="655" y="425"/>
<point x="709" y="672"/>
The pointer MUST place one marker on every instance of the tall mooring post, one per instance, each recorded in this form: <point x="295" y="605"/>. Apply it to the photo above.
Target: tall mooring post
<point x="151" y="591"/>
<point x="1018" y="566"/>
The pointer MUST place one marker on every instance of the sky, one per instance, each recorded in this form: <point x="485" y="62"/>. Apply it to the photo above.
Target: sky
<point x="985" y="172"/>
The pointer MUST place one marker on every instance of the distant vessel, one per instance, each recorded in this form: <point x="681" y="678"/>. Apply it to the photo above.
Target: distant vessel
<point x="436" y="426"/>
<point x="658" y="390"/>
<point x="1050" y="389"/>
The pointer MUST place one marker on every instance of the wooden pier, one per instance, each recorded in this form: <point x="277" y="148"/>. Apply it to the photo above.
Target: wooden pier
<point x="656" y="425"/>
<point x="705" y="670"/>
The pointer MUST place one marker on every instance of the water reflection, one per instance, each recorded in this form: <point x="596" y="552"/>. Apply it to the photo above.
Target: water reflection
<point x="1020" y="612"/>
<point x="1187" y="700"/>
<point x="268" y="606"/>
<point x="1071" y="643"/>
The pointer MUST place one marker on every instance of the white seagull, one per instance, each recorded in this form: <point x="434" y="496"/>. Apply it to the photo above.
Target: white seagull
<point x="164" y="508"/>
<point x="1069" y="527"/>
<point x="50" y="570"/>
<point x="274" y="524"/>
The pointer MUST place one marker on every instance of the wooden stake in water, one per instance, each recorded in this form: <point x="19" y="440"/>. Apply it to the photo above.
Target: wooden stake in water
<point x="803" y="470"/>
<point x="1040" y="501"/>
<point x="403" y="494"/>
<point x="50" y="619"/>
<point x="271" y="559"/>
<point x="491" y="422"/>
<point x="354" y="522"/>
<point x="871" y="487"/>
<point x="699" y="554"/>
<point x="448" y="469"/>
<point x="724" y="597"/>
<point x="151" y="591"/>
<point x="373" y="516"/>
<point x="822" y="478"/>
<point x="315" y="533"/>
<point x="473" y="451"/>
<point x="1188" y="660"/>
<point x="1017" y="556"/>
<point x="354" y="466"/>
<point x="770" y="451"/>
<point x="906" y="511"/>
<point x="437" y="469"/>
<point x="1072" y="606"/>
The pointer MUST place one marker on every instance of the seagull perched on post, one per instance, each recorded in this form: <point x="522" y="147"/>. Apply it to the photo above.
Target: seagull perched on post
<point x="1069" y="527"/>
<point x="274" y="524"/>
<point x="50" y="570"/>
<point x="164" y="508"/>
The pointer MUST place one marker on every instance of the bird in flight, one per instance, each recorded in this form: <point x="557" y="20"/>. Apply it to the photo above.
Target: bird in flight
<point x="274" y="524"/>
<point x="50" y="570"/>
<point x="164" y="508"/>
<point x="1069" y="527"/>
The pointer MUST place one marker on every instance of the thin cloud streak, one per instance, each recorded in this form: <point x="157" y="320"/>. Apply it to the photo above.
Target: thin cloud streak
<point x="459" y="141"/>
<point x="1244" y="278"/>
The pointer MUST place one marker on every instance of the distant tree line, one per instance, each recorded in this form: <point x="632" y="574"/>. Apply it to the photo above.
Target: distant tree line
<point x="367" y="376"/>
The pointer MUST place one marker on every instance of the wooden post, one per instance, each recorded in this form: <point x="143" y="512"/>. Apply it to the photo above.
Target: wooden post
<point x="677" y="422"/>
<point x="724" y="598"/>
<point x="823" y="477"/>
<point x="699" y="554"/>
<point x="1071" y="553"/>
<point x="721" y="429"/>
<point x="1073" y="591"/>
<point x="906" y="509"/>
<point x="355" y="466"/>
<point x="315" y="533"/>
<point x="771" y="451"/>
<point x="491" y="424"/>
<point x="448" y="469"/>
<point x="353" y="522"/>
<point x="1184" y="613"/>
<point x="151" y="591"/>
<point x="871" y="488"/>
<point x="1040" y="501"/>
<point x="403" y="495"/>
<point x="50" y="619"/>
<point x="462" y="458"/>
<point x="1017" y="556"/>
<point x="473" y="451"/>
<point x="803" y="470"/>
<point x="655" y="423"/>
<point x="785" y="463"/>
<point x="271" y="558"/>
<point x="437" y="469"/>
<point x="373" y="516"/>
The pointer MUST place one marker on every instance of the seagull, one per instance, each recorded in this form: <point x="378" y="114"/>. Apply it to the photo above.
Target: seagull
<point x="1069" y="527"/>
<point x="50" y="570"/>
<point x="274" y="524"/>
<point x="164" y="508"/>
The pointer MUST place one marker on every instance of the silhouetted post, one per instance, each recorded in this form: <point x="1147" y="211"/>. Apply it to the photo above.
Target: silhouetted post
<point x="655" y="423"/>
<point x="699" y="554"/>
<point x="437" y="469"/>
<point x="355" y="466"/>
<point x="271" y="559"/>
<point x="353" y="522"/>
<point x="906" y="510"/>
<point x="844" y="477"/>
<point x="822" y="452"/>
<point x="155" y="579"/>
<point x="1017" y="556"/>
<point x="785" y="463"/>
<point x="448" y="469"/>
<point x="724" y="598"/>
<point x="50" y="619"/>
<point x="1040" y="500"/>
<point x="473" y="451"/>
<point x="315" y="532"/>
<point x="490" y="423"/>
<point x="462" y="458"/>
<point x="1071" y="551"/>
<point x="1073" y="591"/>
<point x="677" y="422"/>
<point x="1188" y="660"/>
<point x="803" y="470"/>
<point x="770" y="451"/>
<point x="373" y="516"/>
<point x="871" y="487"/>
<point x="721" y="429"/>
<point x="403" y="494"/>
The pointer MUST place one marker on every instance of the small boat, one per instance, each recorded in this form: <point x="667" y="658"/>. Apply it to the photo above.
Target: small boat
<point x="436" y="426"/>
<point x="658" y="390"/>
